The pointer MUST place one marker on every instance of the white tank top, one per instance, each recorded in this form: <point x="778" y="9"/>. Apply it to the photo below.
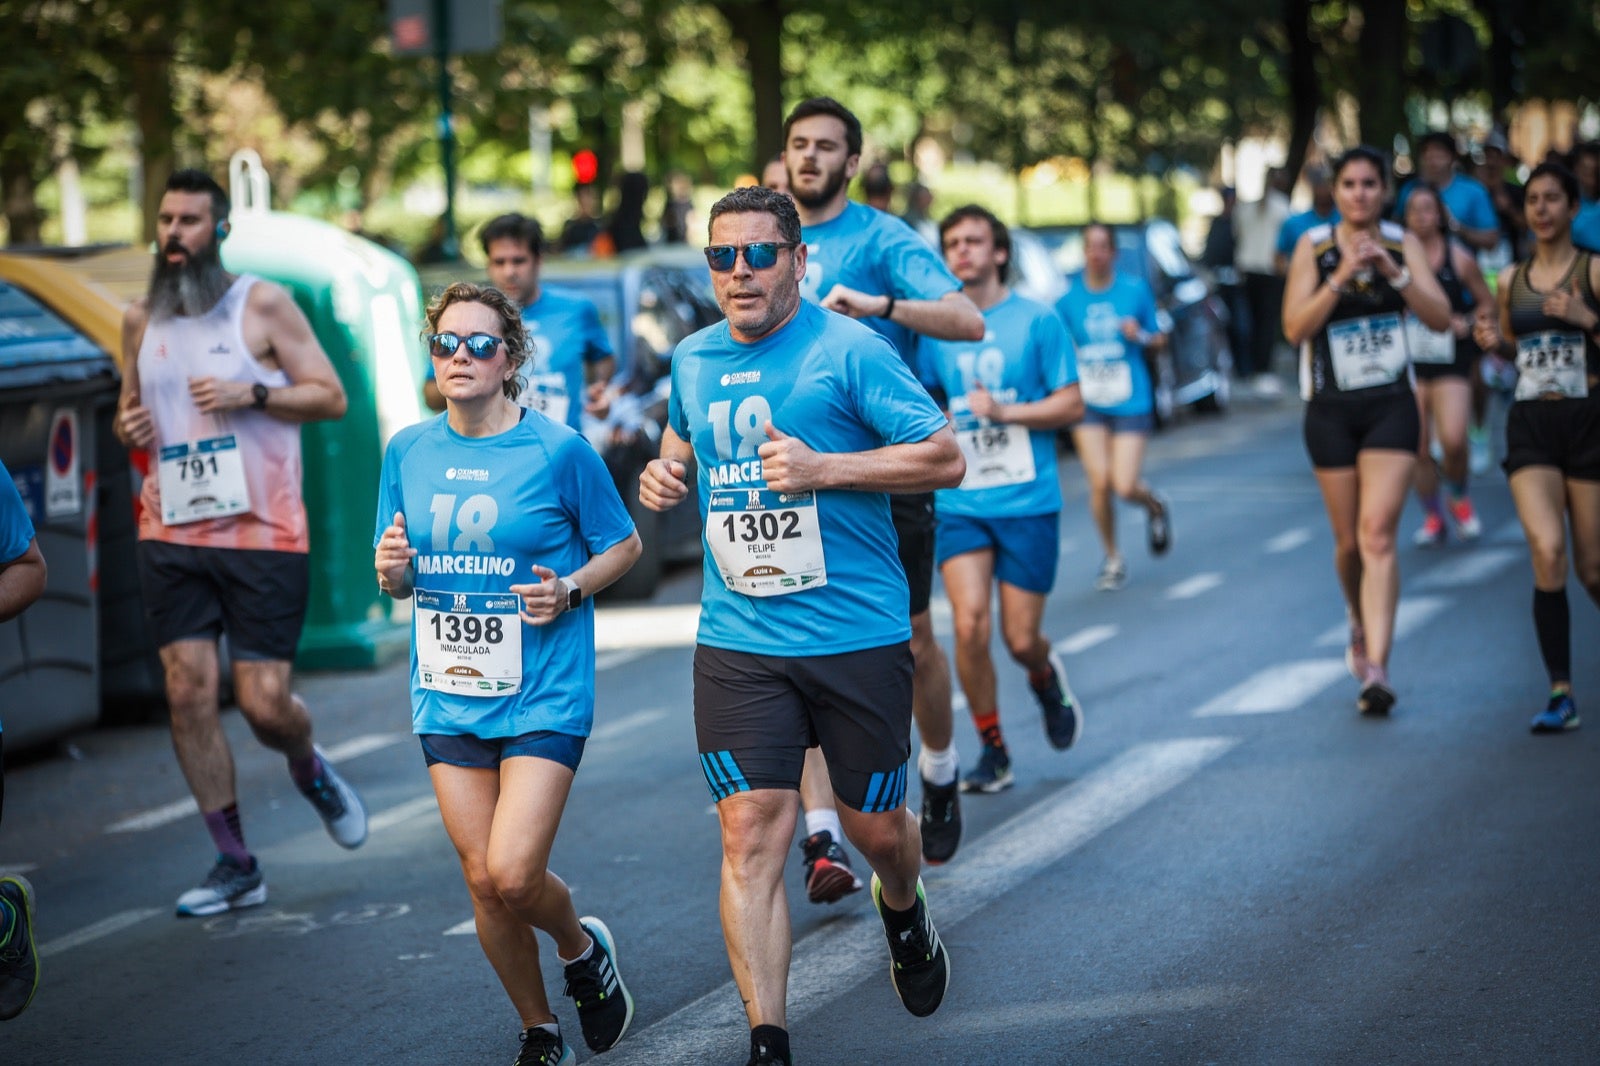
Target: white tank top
<point x="213" y="345"/>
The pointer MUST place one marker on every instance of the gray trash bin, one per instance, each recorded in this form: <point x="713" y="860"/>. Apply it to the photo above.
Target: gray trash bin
<point x="57" y="391"/>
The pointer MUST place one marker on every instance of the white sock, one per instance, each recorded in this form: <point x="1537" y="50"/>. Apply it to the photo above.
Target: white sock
<point x="938" y="767"/>
<point x="824" y="818"/>
<point x="584" y="954"/>
<point x="553" y="1028"/>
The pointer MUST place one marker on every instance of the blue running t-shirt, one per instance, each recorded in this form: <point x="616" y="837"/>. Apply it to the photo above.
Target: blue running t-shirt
<point x="1024" y="356"/>
<point x="565" y="332"/>
<point x="1296" y="225"/>
<point x="481" y="511"/>
<point x="1111" y="370"/>
<point x="873" y="252"/>
<point x="823" y="571"/>
<point x="16" y="528"/>
<point x="1465" y="197"/>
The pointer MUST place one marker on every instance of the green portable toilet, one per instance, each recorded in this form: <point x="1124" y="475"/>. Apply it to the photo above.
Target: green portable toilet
<point x="365" y="306"/>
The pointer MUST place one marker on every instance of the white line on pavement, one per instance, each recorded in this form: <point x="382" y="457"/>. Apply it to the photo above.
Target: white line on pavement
<point x="156" y="817"/>
<point x="830" y="961"/>
<point x="608" y="660"/>
<point x="1468" y="568"/>
<point x="404" y="812"/>
<point x="7" y="869"/>
<point x="1288" y="540"/>
<point x="1198" y="585"/>
<point x="646" y="628"/>
<point x="624" y="726"/>
<point x="103" y="928"/>
<point x="1277" y="688"/>
<point x="1118" y="1006"/>
<point x="466" y="928"/>
<point x="1413" y="614"/>
<point x="1084" y="639"/>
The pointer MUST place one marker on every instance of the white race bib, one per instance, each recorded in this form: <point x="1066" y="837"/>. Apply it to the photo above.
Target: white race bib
<point x="202" y="479"/>
<point x="1104" y="376"/>
<point x="766" y="543"/>
<point x="1434" y="347"/>
<point x="547" y="394"/>
<point x="996" y="455"/>
<point x="468" y="643"/>
<point x="1549" y="365"/>
<point x="1367" y="351"/>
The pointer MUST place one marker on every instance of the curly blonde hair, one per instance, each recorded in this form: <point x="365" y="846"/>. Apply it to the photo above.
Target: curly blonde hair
<point x="512" y="331"/>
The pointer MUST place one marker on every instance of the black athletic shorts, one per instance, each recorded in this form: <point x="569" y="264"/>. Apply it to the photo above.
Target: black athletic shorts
<point x="914" y="525"/>
<point x="1336" y="430"/>
<point x="1564" y="434"/>
<point x="755" y="716"/>
<point x="258" y="598"/>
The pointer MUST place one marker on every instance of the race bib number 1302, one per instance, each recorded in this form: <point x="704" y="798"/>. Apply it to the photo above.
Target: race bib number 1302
<point x="766" y="543"/>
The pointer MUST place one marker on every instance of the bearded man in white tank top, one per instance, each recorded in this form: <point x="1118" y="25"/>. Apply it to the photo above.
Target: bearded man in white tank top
<point x="219" y="372"/>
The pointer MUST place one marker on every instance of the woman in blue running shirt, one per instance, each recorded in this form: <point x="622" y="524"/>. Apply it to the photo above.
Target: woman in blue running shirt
<point x="499" y="524"/>
<point x="1112" y="320"/>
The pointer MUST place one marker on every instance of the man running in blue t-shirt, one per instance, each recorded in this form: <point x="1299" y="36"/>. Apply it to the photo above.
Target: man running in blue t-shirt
<point x="871" y="266"/>
<point x="800" y="423"/>
<point x="1469" y="204"/>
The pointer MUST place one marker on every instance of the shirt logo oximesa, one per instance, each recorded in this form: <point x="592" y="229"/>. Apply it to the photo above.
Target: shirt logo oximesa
<point x="743" y="377"/>
<point x="461" y="473"/>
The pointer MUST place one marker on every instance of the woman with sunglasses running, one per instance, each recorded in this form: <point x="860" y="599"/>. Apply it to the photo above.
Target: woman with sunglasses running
<point x="1549" y="319"/>
<point x="1349" y="284"/>
<point x="1444" y="361"/>
<point x="500" y="524"/>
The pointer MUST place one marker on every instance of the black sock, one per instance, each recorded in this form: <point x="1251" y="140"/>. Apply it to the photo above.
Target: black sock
<point x="770" y="1040"/>
<point x="898" y="921"/>
<point x="1553" y="624"/>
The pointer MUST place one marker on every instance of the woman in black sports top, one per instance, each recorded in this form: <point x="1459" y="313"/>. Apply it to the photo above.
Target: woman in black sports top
<point x="1350" y="283"/>
<point x="1548" y="319"/>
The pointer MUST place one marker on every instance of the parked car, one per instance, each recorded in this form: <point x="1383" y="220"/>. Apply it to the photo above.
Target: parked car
<point x="1196" y="369"/>
<point x="649" y="301"/>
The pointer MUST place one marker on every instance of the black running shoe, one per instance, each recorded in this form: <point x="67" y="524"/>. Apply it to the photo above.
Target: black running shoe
<point x="918" y="963"/>
<point x="828" y="875"/>
<point x="19" y="954"/>
<point x="595" y="987"/>
<point x="1160" y="526"/>
<point x="1376" y="697"/>
<point x="941" y="820"/>
<point x="1063" y="718"/>
<point x="542" y="1048"/>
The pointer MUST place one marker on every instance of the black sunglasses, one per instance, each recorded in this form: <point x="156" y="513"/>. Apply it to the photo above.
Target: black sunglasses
<point x="759" y="255"/>
<point x="479" y="345"/>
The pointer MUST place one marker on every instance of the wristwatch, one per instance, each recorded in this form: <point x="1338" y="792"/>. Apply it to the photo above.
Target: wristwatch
<point x="259" y="391"/>
<point x="1401" y="280"/>
<point x="574" y="594"/>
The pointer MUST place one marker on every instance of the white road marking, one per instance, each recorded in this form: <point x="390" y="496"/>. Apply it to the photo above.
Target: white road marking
<point x="1198" y="585"/>
<point x="1115" y="1007"/>
<point x="1473" y="567"/>
<point x="404" y="812"/>
<point x="1414" y="613"/>
<point x="610" y="660"/>
<point x="624" y="726"/>
<point x="8" y="869"/>
<point x="156" y="817"/>
<point x="103" y="928"/>
<point x="850" y="948"/>
<point x="1288" y="540"/>
<point x="646" y="628"/>
<point x="466" y="928"/>
<point x="1277" y="688"/>
<point x="1084" y="639"/>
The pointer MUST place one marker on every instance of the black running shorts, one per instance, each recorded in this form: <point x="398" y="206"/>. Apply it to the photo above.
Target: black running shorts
<point x="1337" y="430"/>
<point x="1564" y="434"/>
<point x="258" y="598"/>
<point x="914" y="524"/>
<point x="755" y="716"/>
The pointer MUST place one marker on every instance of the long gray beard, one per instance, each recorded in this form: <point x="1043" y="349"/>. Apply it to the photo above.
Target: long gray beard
<point x="191" y="288"/>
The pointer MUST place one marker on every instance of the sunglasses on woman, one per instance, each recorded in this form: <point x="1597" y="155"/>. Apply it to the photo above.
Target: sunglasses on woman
<point x="479" y="345"/>
<point x="759" y="255"/>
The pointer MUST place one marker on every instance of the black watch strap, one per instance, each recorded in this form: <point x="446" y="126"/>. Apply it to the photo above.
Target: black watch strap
<point x="260" y="392"/>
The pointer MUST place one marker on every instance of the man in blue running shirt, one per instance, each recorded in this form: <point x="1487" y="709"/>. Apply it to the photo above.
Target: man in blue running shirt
<point x="571" y="366"/>
<point x="871" y="266"/>
<point x="22" y="579"/>
<point x="1464" y="196"/>
<point x="800" y="423"/>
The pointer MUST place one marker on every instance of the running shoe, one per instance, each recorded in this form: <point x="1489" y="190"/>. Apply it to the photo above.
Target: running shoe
<point x="1431" y="533"/>
<point x="228" y="886"/>
<point x="828" y="875"/>
<point x="1560" y="716"/>
<point x="1355" y="653"/>
<point x="595" y="987"/>
<point x="1376" y="696"/>
<point x="1113" y="574"/>
<point x="918" y="964"/>
<point x="338" y="805"/>
<point x="1159" y="526"/>
<point x="541" y="1047"/>
<point x="1063" y="718"/>
<point x="19" y="955"/>
<point x="993" y="772"/>
<point x="1465" y="519"/>
<point x="941" y="820"/>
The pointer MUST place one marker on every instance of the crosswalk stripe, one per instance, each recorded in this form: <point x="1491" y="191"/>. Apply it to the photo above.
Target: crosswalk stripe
<point x="1198" y="585"/>
<point x="1085" y="638"/>
<point x="103" y="928"/>
<point x="1277" y="688"/>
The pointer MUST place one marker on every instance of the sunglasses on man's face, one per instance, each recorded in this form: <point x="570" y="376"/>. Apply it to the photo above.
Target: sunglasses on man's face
<point x="759" y="255"/>
<point x="479" y="345"/>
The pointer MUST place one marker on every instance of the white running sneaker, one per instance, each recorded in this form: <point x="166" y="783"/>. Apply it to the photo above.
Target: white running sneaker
<point x="338" y="805"/>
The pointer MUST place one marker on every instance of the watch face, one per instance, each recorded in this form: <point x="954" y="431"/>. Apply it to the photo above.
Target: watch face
<point x="574" y="597"/>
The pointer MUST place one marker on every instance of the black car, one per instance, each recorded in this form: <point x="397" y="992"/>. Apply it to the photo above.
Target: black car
<point x="649" y="300"/>
<point x="1196" y="369"/>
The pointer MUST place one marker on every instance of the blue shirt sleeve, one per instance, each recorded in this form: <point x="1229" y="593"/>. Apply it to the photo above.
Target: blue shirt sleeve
<point x="1058" y="361"/>
<point x="390" y="497"/>
<point x="888" y="396"/>
<point x="16" y="529"/>
<point x="1477" y="211"/>
<point x="596" y="345"/>
<point x="916" y="271"/>
<point x="1147" y="308"/>
<point x="590" y="497"/>
<point x="676" y="419"/>
<point x="1288" y="233"/>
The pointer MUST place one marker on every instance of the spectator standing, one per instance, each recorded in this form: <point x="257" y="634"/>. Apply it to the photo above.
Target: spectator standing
<point x="1255" y="234"/>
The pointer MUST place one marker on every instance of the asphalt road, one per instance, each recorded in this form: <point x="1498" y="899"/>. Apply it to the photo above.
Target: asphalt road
<point x="1231" y="867"/>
